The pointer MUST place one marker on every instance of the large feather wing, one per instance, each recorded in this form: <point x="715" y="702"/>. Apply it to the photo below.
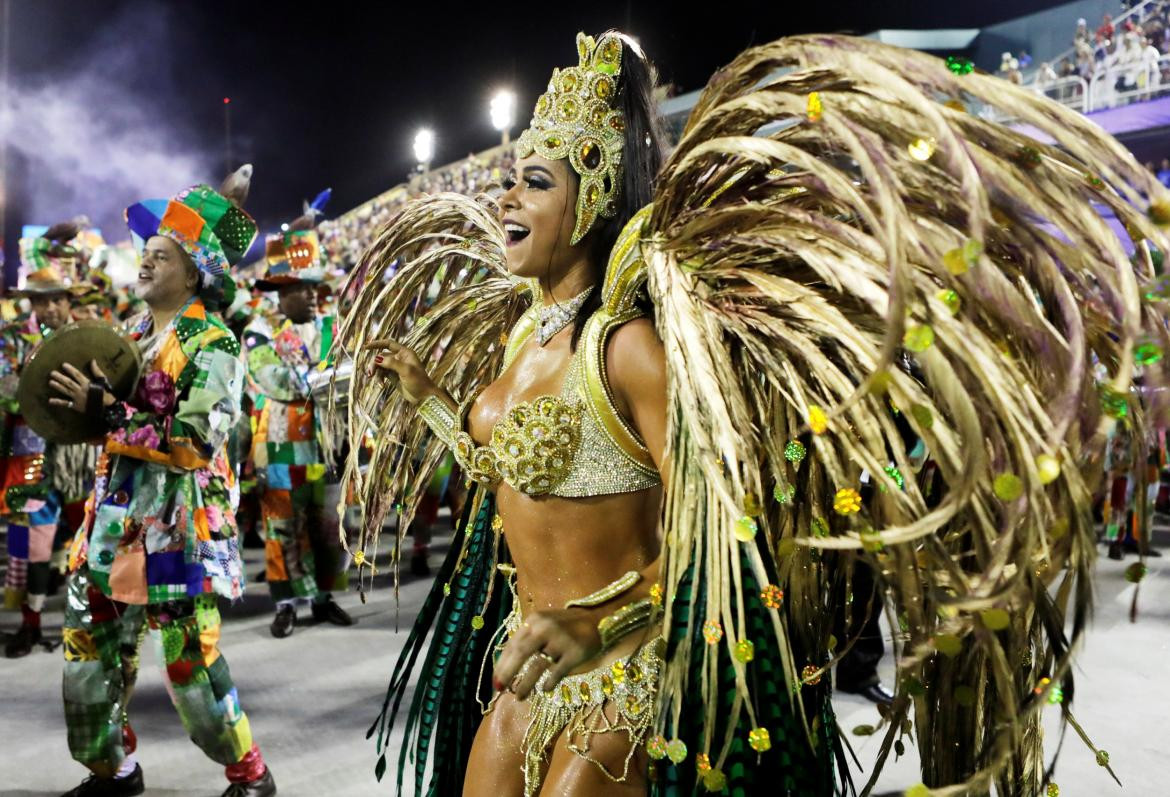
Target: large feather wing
<point x="846" y="256"/>
<point x="434" y="279"/>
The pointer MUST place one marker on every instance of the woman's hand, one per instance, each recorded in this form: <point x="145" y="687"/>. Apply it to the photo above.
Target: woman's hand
<point x="555" y="642"/>
<point x="400" y="362"/>
<point x="73" y="387"/>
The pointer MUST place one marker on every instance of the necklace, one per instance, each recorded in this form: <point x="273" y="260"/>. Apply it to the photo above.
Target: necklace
<point x="555" y="317"/>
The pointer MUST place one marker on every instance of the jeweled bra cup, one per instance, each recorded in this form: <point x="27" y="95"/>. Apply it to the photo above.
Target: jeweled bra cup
<point x="532" y="446"/>
<point x="535" y="444"/>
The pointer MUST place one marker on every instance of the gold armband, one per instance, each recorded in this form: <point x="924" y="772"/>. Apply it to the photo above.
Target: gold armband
<point x="441" y="419"/>
<point x="478" y="462"/>
<point x="625" y="621"/>
<point x="608" y="592"/>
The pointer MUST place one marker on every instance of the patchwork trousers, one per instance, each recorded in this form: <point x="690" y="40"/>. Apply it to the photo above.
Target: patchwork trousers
<point x="102" y="640"/>
<point x="303" y="556"/>
<point x="31" y="538"/>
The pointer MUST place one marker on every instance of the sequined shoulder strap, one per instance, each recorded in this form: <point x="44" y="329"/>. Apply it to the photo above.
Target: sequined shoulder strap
<point x="597" y="394"/>
<point x="624" y="276"/>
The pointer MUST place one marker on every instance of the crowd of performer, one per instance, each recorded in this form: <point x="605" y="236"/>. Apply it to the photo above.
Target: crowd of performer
<point x="141" y="523"/>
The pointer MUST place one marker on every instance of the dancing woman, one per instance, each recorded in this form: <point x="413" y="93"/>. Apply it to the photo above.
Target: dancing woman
<point x="836" y="258"/>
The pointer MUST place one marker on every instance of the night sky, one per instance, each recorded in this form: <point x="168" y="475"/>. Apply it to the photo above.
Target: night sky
<point x="117" y="100"/>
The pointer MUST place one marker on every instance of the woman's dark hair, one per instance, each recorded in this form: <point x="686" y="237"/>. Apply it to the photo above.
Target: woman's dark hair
<point x="642" y="154"/>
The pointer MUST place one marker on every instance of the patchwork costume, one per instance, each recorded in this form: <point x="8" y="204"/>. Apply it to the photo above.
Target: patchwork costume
<point x="301" y="530"/>
<point x="300" y="561"/>
<point x="40" y="481"/>
<point x="159" y="543"/>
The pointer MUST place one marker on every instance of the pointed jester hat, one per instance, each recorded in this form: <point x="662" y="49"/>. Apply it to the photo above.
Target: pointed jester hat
<point x="209" y="225"/>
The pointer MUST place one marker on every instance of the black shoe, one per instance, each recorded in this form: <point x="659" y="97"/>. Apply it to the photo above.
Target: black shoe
<point x="1132" y="546"/>
<point x="1116" y="551"/>
<point x="327" y="611"/>
<point x="418" y="565"/>
<point x="263" y="786"/>
<point x="285" y="621"/>
<point x="21" y="643"/>
<point x="874" y="693"/>
<point x="93" y="786"/>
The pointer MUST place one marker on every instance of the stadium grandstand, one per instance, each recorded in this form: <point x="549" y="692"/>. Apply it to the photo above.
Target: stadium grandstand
<point x="1108" y="60"/>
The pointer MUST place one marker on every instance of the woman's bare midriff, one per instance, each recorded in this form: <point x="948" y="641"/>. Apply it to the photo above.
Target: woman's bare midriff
<point x="566" y="548"/>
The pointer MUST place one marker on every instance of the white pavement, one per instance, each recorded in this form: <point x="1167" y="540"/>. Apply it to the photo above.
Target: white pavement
<point x="312" y="696"/>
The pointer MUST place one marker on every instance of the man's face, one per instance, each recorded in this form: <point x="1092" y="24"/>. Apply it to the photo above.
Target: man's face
<point x="52" y="310"/>
<point x="298" y="301"/>
<point x="166" y="277"/>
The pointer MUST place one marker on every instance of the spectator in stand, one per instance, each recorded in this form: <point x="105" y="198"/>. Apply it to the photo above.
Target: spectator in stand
<point x="1068" y="90"/>
<point x="1005" y="65"/>
<point x="1105" y="32"/>
<point x="1150" y="74"/>
<point x="1086" y="62"/>
<point x="1025" y="59"/>
<point x="1014" y="74"/>
<point x="1045" y="77"/>
<point x="1163" y="173"/>
<point x="1082" y="33"/>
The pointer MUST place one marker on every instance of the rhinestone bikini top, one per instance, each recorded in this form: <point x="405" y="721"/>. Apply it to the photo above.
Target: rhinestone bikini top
<point x="561" y="445"/>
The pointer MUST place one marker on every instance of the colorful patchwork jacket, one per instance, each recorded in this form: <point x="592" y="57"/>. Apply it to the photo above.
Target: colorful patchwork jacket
<point x="160" y="524"/>
<point x="23" y="481"/>
<point x="285" y="448"/>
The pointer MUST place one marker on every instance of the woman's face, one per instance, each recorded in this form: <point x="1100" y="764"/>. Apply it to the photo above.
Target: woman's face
<point x="538" y="210"/>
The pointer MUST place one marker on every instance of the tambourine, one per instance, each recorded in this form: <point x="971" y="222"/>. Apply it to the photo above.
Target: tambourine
<point x="77" y="344"/>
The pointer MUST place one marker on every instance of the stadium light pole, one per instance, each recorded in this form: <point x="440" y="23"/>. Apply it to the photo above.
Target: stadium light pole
<point x="424" y="148"/>
<point x="503" y="112"/>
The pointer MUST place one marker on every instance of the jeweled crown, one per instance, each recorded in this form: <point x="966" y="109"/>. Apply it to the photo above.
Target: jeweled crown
<point x="576" y="119"/>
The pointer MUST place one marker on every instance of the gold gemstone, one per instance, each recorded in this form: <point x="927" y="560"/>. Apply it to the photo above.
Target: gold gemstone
<point x="586" y="692"/>
<point x="618" y="668"/>
<point x="566" y="693"/>
<point x="634" y="672"/>
<point x="632" y="705"/>
<point x="606" y="685"/>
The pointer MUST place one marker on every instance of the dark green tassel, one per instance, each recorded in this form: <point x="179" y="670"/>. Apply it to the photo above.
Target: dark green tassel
<point x="443" y="711"/>
<point x="791" y="767"/>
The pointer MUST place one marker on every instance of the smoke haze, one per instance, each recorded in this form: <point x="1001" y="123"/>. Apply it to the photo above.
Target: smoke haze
<point x="101" y="128"/>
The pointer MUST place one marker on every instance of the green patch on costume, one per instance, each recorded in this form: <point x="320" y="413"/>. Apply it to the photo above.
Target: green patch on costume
<point x="174" y="640"/>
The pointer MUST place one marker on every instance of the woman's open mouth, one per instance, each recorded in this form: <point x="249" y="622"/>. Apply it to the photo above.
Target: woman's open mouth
<point x="515" y="232"/>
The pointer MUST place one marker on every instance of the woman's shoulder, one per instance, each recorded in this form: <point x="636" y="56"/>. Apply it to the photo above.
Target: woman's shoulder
<point x="635" y="356"/>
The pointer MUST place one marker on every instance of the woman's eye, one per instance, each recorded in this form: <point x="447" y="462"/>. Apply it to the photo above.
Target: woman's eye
<point x="538" y="183"/>
<point x="508" y="183"/>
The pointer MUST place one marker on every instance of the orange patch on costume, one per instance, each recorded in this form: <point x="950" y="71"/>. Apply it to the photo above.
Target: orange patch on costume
<point x="184" y="221"/>
<point x="202" y="530"/>
<point x="171" y="358"/>
<point x="276" y="504"/>
<point x="300" y="422"/>
<point x="128" y="577"/>
<point x="274" y="561"/>
<point x="209" y="642"/>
